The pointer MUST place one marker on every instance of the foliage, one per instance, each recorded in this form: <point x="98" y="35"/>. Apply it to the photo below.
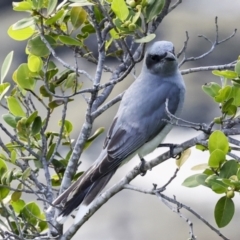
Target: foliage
<point x="220" y="174"/>
<point x="33" y="148"/>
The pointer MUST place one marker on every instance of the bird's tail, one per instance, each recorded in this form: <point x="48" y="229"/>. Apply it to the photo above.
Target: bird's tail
<point x="82" y="192"/>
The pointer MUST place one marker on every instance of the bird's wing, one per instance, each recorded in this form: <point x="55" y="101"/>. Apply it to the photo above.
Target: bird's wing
<point x="132" y="128"/>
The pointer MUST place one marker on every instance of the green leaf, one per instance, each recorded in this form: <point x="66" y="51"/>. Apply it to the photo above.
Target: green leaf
<point x="38" y="4"/>
<point x="235" y="94"/>
<point x="55" y="103"/>
<point x="146" y="39"/>
<point x="183" y="158"/>
<point x="137" y="15"/>
<point x="31" y="209"/>
<point x="191" y="181"/>
<point x="35" y="63"/>
<point x="14" y="107"/>
<point x="13" y="156"/>
<point x="6" y="65"/>
<point x="218" y="140"/>
<point x="3" y="193"/>
<point x="69" y="41"/>
<point x="18" y="205"/>
<point x="3" y="166"/>
<point x="218" y="186"/>
<point x="201" y="179"/>
<point x="70" y="81"/>
<point x="237" y="68"/>
<point x="10" y="120"/>
<point x="31" y="118"/>
<point x="23" y="23"/>
<point x="201" y="166"/>
<point x="26" y="173"/>
<point x="153" y="9"/>
<point x="223" y="94"/>
<point x="16" y="196"/>
<point x="224" y="211"/>
<point x="37" y="124"/>
<point x="120" y="8"/>
<point x="51" y="6"/>
<point x="238" y="174"/>
<point x="24" y="77"/>
<point x="20" y="34"/>
<point x="54" y="18"/>
<point x="51" y="150"/>
<point x="228" y="169"/>
<point x="226" y="74"/>
<point x="55" y="180"/>
<point x="68" y="127"/>
<point x="22" y="6"/>
<point x="78" y="16"/>
<point x="93" y="137"/>
<point x="37" y="47"/>
<point x="211" y="89"/>
<point x="4" y="87"/>
<point x="114" y="34"/>
<point x="80" y="3"/>
<point x="88" y="29"/>
<point x="201" y="147"/>
<point x="216" y="158"/>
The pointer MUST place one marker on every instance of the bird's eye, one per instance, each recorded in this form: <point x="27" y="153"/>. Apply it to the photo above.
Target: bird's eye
<point x="157" y="58"/>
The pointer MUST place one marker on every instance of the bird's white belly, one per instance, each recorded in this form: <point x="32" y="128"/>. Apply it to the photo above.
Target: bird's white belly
<point x="151" y="145"/>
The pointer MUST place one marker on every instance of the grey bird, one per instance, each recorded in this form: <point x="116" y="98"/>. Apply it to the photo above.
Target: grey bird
<point x="138" y="127"/>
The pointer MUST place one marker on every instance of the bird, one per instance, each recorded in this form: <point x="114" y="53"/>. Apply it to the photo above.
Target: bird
<point x="137" y="129"/>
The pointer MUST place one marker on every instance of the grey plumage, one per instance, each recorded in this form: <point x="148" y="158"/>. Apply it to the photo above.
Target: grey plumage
<point x="137" y="127"/>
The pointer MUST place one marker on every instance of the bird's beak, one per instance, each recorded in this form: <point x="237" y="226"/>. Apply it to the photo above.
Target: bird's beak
<point x="170" y="56"/>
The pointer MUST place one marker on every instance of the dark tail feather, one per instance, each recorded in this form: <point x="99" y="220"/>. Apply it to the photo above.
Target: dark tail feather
<point x="84" y="197"/>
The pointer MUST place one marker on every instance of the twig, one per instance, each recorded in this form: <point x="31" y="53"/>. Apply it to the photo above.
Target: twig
<point x="183" y="50"/>
<point x="66" y="65"/>
<point x="107" y="105"/>
<point x="209" y="68"/>
<point x="174" y="121"/>
<point x="214" y="44"/>
<point x="174" y="5"/>
<point x="163" y="188"/>
<point x="177" y="210"/>
<point x="64" y="113"/>
<point x="180" y="205"/>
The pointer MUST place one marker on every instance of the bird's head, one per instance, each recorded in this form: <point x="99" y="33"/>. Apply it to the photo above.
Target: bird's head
<point x="160" y="58"/>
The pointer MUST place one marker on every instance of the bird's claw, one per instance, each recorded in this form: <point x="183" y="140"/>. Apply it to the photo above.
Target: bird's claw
<point x="142" y="167"/>
<point x="171" y="148"/>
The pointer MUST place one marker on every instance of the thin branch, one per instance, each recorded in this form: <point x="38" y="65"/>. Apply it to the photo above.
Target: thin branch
<point x="107" y="105"/>
<point x="174" y="5"/>
<point x="209" y="68"/>
<point x="163" y="188"/>
<point x="161" y="16"/>
<point x="183" y="50"/>
<point x="64" y="113"/>
<point x="180" y="205"/>
<point x="66" y="65"/>
<point x="13" y="138"/>
<point x="213" y="45"/>
<point x="177" y="210"/>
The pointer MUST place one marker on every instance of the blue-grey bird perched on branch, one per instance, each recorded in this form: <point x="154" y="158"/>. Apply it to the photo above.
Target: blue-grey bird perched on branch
<point x="138" y="127"/>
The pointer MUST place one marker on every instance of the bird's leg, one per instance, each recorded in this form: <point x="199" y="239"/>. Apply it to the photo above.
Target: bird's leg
<point x="171" y="148"/>
<point x="142" y="166"/>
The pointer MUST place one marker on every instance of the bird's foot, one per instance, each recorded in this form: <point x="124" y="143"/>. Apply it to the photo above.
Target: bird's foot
<point x="142" y="167"/>
<point x="171" y="148"/>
